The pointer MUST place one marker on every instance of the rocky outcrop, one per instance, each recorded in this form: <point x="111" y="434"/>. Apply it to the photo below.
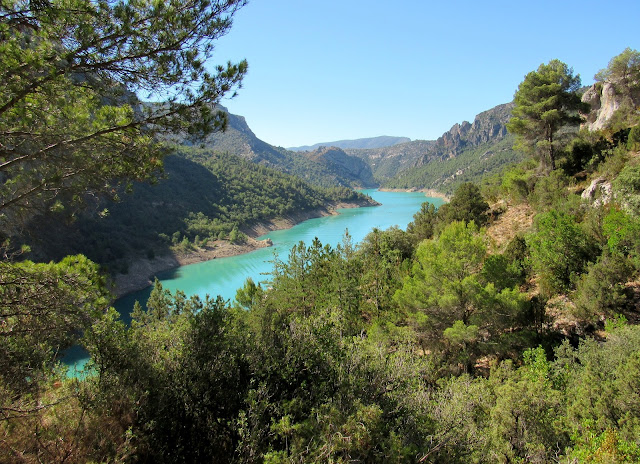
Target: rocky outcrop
<point x="489" y="126"/>
<point x="608" y="99"/>
<point x="604" y="102"/>
<point x="599" y="192"/>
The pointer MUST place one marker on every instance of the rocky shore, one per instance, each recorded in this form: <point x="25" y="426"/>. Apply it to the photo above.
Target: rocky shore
<point x="427" y="192"/>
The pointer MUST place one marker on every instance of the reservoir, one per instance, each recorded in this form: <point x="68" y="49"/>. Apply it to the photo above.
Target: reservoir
<point x="223" y="276"/>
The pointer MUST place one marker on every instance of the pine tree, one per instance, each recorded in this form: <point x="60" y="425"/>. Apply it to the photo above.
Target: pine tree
<point x="546" y="101"/>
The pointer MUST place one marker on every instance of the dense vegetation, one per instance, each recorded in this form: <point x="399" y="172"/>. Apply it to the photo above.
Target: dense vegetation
<point x="238" y="139"/>
<point x="438" y="344"/>
<point x="203" y="197"/>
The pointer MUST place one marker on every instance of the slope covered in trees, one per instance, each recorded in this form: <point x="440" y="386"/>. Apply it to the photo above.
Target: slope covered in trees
<point x="204" y="197"/>
<point x="466" y="152"/>
<point x="238" y="139"/>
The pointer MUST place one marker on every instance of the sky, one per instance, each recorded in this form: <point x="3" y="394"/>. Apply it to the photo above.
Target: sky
<point x="328" y="70"/>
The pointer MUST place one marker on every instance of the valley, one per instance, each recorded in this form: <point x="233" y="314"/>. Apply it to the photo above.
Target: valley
<point x="471" y="298"/>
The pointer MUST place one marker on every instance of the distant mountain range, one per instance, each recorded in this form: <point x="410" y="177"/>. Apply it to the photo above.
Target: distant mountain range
<point x="314" y="168"/>
<point x="466" y="152"/>
<point x="371" y="142"/>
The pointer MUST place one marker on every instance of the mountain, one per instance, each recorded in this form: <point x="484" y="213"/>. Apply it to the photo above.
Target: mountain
<point x="203" y="197"/>
<point x="466" y="151"/>
<point x="238" y="139"/>
<point x="387" y="162"/>
<point x="370" y="142"/>
<point x="348" y="170"/>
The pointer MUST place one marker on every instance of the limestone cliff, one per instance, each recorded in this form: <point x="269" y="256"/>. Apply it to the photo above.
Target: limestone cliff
<point x="604" y="101"/>
<point x="488" y="126"/>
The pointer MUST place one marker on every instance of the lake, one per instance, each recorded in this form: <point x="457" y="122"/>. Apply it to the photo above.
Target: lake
<point x="223" y="276"/>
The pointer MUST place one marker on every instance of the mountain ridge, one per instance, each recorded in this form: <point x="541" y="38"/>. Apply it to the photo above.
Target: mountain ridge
<point x="238" y="139"/>
<point x="361" y="143"/>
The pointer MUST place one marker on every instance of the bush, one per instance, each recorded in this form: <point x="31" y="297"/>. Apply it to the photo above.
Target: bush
<point x="502" y="272"/>
<point x="633" y="142"/>
<point x="517" y="184"/>
<point x="559" y="249"/>
<point x="622" y="233"/>
<point x="550" y="191"/>
<point x="601" y="290"/>
<point x="626" y="188"/>
<point x="466" y="205"/>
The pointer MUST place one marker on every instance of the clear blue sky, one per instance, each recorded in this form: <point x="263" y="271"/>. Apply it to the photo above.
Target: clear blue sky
<point x="328" y="70"/>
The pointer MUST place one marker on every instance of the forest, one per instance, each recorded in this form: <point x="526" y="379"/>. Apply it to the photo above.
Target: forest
<point x="202" y="197"/>
<point x="500" y="327"/>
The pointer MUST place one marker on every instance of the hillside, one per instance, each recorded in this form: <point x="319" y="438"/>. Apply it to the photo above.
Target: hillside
<point x="365" y="143"/>
<point x="203" y="197"/>
<point x="500" y="327"/>
<point x="238" y="139"/>
<point x="348" y="170"/>
<point x="465" y="152"/>
<point x="470" y="165"/>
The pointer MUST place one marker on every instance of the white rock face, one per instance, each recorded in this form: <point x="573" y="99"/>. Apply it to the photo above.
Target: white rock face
<point x="604" y="101"/>
<point x="599" y="191"/>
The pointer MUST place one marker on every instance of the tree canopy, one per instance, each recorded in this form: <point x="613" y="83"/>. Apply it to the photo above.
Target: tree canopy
<point x="623" y="69"/>
<point x="546" y="101"/>
<point x="71" y="121"/>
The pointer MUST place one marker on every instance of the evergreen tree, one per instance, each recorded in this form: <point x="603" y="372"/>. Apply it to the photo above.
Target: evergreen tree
<point x="70" y="118"/>
<point x="546" y="101"/>
<point x="466" y="205"/>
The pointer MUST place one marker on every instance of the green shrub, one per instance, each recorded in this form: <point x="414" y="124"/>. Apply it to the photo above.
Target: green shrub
<point x="466" y="205"/>
<point x="622" y="233"/>
<point x="550" y="191"/>
<point x="626" y="188"/>
<point x="517" y="184"/>
<point x="559" y="250"/>
<point x="633" y="142"/>
<point x="601" y="291"/>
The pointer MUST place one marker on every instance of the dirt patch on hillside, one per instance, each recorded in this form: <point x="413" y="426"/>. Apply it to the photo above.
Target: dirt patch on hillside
<point x="512" y="221"/>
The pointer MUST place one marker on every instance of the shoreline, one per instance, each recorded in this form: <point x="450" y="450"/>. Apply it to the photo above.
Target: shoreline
<point x="430" y="193"/>
<point x="142" y="271"/>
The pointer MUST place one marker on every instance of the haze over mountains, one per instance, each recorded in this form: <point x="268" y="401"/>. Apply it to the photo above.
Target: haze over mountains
<point x="369" y="142"/>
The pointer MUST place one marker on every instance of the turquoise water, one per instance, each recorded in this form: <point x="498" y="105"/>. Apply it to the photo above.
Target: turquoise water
<point x="223" y="276"/>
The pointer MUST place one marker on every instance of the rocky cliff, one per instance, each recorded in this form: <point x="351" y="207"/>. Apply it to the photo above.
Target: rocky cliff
<point x="609" y="99"/>
<point x="238" y="139"/>
<point x="604" y="101"/>
<point x="488" y="126"/>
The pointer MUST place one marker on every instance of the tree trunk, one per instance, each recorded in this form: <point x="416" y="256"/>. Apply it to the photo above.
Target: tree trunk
<point x="552" y="155"/>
